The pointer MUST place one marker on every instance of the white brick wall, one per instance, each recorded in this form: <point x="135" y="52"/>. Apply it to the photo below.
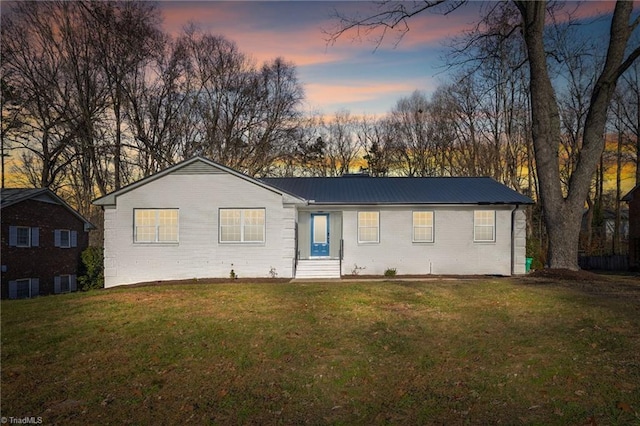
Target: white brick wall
<point x="198" y="253"/>
<point x="452" y="252"/>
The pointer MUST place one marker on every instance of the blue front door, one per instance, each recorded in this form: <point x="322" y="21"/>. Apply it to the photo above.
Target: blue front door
<point x="320" y="234"/>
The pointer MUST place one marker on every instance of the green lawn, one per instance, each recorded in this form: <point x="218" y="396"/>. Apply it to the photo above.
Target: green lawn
<point x="481" y="351"/>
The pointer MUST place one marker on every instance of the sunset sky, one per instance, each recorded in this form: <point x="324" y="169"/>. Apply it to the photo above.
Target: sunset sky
<point x="350" y="74"/>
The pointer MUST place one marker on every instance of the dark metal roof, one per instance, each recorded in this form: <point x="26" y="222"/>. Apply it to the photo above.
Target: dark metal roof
<point x="11" y="196"/>
<point x="399" y="190"/>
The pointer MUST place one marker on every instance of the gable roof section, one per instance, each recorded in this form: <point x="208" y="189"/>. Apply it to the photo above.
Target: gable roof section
<point x="193" y="166"/>
<point x="400" y="190"/>
<point x="11" y="196"/>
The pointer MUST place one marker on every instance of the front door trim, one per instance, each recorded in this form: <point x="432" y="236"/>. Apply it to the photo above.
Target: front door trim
<point x="320" y="234"/>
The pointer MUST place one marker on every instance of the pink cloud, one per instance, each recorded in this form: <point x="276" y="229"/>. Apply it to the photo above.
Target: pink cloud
<point x="356" y="92"/>
<point x="301" y="46"/>
<point x="590" y="9"/>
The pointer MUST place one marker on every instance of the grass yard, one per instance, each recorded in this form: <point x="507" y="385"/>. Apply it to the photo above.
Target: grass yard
<point x="477" y="351"/>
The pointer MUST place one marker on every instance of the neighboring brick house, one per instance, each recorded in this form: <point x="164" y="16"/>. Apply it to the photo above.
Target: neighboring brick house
<point x="42" y="239"/>
<point x="633" y="198"/>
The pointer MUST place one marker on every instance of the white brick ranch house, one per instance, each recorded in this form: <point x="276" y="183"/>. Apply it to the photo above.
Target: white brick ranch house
<point x="199" y="219"/>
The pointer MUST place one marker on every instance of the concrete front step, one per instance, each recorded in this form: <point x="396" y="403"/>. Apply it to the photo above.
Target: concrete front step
<point x="318" y="268"/>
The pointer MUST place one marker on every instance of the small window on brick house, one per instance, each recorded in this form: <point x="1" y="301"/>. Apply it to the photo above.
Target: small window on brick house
<point x="64" y="284"/>
<point x="24" y="236"/>
<point x="24" y="288"/>
<point x="65" y="238"/>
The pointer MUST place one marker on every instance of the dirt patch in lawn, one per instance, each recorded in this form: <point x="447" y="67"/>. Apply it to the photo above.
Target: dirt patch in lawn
<point x="209" y="281"/>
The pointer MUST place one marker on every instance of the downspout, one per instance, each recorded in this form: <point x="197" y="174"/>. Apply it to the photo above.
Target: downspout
<point x="513" y="233"/>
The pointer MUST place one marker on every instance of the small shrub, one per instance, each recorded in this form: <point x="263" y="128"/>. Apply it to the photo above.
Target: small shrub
<point x="390" y="272"/>
<point x="93" y="269"/>
<point x="535" y="251"/>
<point x="273" y="273"/>
<point x="356" y="269"/>
<point x="232" y="274"/>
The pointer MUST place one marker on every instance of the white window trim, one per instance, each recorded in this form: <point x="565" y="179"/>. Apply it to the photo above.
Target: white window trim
<point x="242" y="225"/>
<point x="68" y="277"/>
<point x="68" y="232"/>
<point x="18" y="228"/>
<point x="157" y="227"/>
<point x="433" y="227"/>
<point x="72" y="240"/>
<point x="33" y="234"/>
<point x="28" y="280"/>
<point x="57" y="283"/>
<point x="33" y="286"/>
<point x="493" y="237"/>
<point x="377" y="241"/>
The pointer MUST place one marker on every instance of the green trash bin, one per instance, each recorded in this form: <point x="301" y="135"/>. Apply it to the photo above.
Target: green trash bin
<point x="527" y="265"/>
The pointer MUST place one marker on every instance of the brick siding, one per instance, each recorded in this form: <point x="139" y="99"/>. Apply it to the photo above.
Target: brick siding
<point x="45" y="261"/>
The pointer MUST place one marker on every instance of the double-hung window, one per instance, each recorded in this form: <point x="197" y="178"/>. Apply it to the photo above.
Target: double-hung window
<point x="155" y="225"/>
<point x="24" y="236"/>
<point x="64" y="283"/>
<point x="368" y="227"/>
<point x="65" y="238"/>
<point x="423" y="227"/>
<point x="484" y="226"/>
<point x="24" y="288"/>
<point x="242" y="225"/>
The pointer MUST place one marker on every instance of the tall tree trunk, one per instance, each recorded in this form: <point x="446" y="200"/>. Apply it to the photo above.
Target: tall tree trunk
<point x="563" y="213"/>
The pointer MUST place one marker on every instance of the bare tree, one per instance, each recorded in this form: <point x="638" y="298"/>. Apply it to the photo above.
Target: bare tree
<point x="33" y="66"/>
<point x="341" y="146"/>
<point x="11" y="122"/>
<point x="460" y="108"/>
<point x="628" y="112"/>
<point x="412" y="128"/>
<point x="307" y="156"/>
<point x="245" y="117"/>
<point x="562" y="211"/>
<point x="378" y="139"/>
<point x="157" y="110"/>
<point x="123" y="36"/>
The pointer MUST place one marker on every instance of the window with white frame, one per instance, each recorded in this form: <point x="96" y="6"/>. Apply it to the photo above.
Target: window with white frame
<point x="423" y="226"/>
<point x="484" y="226"/>
<point x="368" y="227"/>
<point x="65" y="283"/>
<point x="23" y="288"/>
<point x="242" y="225"/>
<point x="65" y="238"/>
<point x="155" y="225"/>
<point x="23" y="236"/>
